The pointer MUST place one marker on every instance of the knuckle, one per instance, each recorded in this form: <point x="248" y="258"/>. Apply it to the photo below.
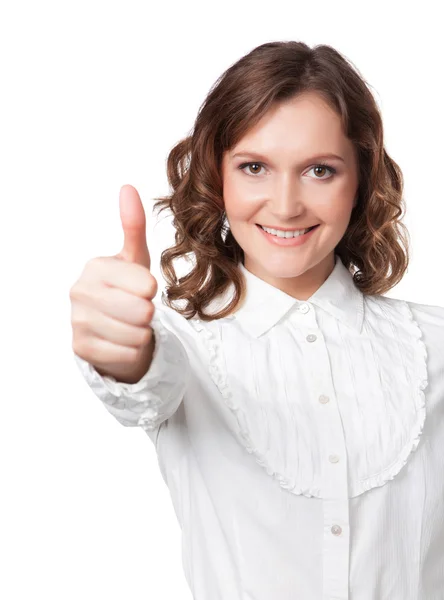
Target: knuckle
<point x="80" y="305"/>
<point x="128" y="356"/>
<point x="80" y="291"/>
<point x="73" y="292"/>
<point x="154" y="286"/>
<point x="79" y="321"/>
<point x="148" y="313"/>
<point x="90" y="266"/>
<point x="150" y="286"/>
<point x="82" y="346"/>
<point x="95" y="261"/>
<point x="133" y="355"/>
<point x="146" y="337"/>
<point x="93" y="267"/>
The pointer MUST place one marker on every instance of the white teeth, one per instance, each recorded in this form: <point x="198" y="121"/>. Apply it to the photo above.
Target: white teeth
<point x="285" y="234"/>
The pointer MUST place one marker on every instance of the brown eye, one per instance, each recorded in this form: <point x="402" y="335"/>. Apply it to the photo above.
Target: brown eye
<point x="251" y="165"/>
<point x="317" y="169"/>
<point x="321" y="170"/>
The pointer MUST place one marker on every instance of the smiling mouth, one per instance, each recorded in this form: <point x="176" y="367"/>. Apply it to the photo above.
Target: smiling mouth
<point x="308" y="228"/>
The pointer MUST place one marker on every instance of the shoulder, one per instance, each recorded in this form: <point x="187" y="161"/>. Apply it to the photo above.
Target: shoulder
<point x="430" y="320"/>
<point x="427" y="319"/>
<point x="427" y="314"/>
<point x="423" y="320"/>
<point x="424" y="314"/>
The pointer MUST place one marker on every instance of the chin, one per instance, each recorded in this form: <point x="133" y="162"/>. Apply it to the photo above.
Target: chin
<point x="289" y="273"/>
<point x="281" y="270"/>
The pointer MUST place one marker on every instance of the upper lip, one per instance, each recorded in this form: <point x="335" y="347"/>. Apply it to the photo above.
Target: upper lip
<point x="287" y="228"/>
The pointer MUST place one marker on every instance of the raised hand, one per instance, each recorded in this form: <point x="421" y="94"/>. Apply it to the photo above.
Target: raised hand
<point x="111" y="302"/>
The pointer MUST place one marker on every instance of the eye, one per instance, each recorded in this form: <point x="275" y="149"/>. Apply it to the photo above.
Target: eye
<point x="245" y="165"/>
<point x="324" y="166"/>
<point x="318" y="166"/>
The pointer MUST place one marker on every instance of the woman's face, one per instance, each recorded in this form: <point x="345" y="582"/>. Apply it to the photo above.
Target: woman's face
<point x="284" y="186"/>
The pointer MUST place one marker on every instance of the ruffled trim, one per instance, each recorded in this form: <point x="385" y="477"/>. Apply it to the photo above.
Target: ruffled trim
<point x="219" y="377"/>
<point x="390" y="472"/>
<point x="400" y="316"/>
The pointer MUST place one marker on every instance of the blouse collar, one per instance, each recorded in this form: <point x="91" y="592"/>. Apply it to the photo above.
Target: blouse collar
<point x="265" y="304"/>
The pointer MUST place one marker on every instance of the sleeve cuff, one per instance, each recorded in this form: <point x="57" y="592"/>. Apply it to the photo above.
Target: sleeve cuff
<point x="150" y="401"/>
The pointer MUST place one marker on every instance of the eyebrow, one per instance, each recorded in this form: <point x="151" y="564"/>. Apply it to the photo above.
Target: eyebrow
<point x="258" y="156"/>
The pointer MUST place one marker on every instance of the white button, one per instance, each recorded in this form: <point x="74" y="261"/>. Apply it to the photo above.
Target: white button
<point x="324" y="399"/>
<point x="311" y="338"/>
<point x="304" y="308"/>
<point x="336" y="530"/>
<point x="333" y="458"/>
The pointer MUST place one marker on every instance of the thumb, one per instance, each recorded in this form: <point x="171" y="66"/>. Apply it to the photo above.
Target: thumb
<point x="132" y="216"/>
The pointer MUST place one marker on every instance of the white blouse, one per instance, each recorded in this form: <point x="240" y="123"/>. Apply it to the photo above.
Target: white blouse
<point x="302" y="442"/>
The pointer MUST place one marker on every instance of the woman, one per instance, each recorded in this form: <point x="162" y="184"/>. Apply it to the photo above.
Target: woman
<point x="297" y="412"/>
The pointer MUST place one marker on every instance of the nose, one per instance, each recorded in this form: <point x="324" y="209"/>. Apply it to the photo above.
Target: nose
<point x="286" y="202"/>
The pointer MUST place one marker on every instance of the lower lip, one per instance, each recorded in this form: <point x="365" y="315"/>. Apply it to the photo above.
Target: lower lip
<point x="293" y="241"/>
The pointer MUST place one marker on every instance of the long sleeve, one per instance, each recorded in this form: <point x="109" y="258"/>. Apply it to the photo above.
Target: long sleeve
<point x="154" y="398"/>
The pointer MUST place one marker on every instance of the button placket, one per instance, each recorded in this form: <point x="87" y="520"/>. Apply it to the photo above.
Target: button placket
<point x="334" y="462"/>
<point x="336" y="548"/>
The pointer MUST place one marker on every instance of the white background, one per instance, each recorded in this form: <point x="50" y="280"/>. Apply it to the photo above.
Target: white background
<point x="93" y="96"/>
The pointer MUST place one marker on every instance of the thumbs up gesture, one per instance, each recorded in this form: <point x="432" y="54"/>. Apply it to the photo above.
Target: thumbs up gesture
<point x="111" y="302"/>
<point x="132" y="215"/>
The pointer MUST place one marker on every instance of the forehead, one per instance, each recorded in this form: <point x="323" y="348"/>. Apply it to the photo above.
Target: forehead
<point x="303" y="126"/>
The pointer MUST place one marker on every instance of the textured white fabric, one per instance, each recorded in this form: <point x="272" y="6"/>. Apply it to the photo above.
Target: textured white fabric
<point x="302" y="442"/>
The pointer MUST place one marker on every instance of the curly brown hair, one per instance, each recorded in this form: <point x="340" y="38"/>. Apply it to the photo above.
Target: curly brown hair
<point x="375" y="239"/>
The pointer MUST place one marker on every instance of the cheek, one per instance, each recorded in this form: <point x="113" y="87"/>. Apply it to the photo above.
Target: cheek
<point x="334" y="211"/>
<point x="238" y="206"/>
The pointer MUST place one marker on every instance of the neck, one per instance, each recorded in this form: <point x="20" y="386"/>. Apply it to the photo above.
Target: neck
<point x="301" y="286"/>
